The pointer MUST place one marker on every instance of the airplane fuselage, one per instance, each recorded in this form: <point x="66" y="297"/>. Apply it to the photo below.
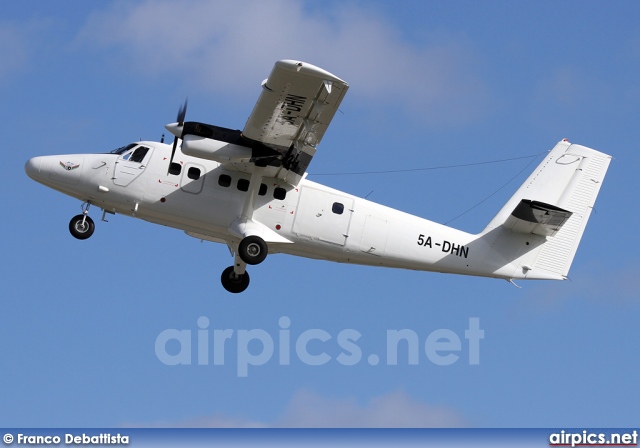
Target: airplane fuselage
<point x="311" y="220"/>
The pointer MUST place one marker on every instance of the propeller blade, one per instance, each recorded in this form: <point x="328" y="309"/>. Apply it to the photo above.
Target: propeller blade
<point x="173" y="153"/>
<point x="182" y="112"/>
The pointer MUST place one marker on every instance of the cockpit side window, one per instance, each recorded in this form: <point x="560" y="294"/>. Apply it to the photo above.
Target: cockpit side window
<point x="124" y="149"/>
<point x="138" y="154"/>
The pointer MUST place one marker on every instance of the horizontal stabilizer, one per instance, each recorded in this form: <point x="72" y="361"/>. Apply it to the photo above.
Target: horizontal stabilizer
<point x="537" y="218"/>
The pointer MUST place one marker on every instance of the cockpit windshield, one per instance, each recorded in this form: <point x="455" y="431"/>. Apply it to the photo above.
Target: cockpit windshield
<point x="123" y="149"/>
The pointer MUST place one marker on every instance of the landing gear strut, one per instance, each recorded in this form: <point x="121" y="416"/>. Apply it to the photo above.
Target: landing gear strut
<point x="252" y="249"/>
<point x="82" y="226"/>
<point x="232" y="282"/>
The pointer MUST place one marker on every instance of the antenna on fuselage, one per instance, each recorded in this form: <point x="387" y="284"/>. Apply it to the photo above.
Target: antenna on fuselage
<point x="162" y="138"/>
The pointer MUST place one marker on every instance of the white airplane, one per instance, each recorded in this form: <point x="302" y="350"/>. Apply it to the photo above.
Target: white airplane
<point x="248" y="189"/>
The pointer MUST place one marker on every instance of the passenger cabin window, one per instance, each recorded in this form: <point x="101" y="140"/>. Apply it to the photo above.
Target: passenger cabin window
<point x="224" y="180"/>
<point x="279" y="193"/>
<point x="263" y="190"/>
<point x="175" y="168"/>
<point x="193" y="173"/>
<point x="243" y="184"/>
<point x="337" y="208"/>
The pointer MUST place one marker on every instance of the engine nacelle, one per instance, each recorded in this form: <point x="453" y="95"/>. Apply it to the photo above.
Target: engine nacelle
<point x="216" y="150"/>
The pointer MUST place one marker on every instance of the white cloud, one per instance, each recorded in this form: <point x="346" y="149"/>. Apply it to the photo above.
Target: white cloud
<point x="616" y="286"/>
<point x="215" y="421"/>
<point x="310" y="410"/>
<point x="230" y="46"/>
<point x="597" y="284"/>
<point x="568" y="87"/>
<point x="394" y="410"/>
<point x="26" y="45"/>
<point x="13" y="49"/>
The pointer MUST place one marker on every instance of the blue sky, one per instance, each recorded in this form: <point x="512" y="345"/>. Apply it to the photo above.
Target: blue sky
<point x="431" y="84"/>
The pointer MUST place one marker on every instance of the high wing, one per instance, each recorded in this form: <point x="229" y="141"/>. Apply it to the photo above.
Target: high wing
<point x="297" y="103"/>
<point x="293" y="112"/>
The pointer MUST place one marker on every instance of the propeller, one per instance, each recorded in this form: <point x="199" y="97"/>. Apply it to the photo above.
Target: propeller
<point x="176" y="129"/>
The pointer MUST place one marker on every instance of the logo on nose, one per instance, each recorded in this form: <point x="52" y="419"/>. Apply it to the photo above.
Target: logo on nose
<point x="69" y="166"/>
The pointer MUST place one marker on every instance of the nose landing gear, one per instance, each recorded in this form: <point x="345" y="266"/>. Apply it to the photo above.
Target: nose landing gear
<point x="82" y="226"/>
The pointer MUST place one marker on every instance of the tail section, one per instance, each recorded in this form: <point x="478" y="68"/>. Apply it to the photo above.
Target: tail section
<point x="552" y="207"/>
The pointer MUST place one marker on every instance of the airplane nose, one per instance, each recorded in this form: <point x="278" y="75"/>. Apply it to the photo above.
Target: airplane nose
<point x="32" y="167"/>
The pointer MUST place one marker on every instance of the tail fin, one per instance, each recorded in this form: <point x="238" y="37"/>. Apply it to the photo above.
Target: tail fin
<point x="555" y="203"/>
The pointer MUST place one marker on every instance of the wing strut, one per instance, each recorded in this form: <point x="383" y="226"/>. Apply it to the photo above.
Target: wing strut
<point x="244" y="225"/>
<point x="252" y="193"/>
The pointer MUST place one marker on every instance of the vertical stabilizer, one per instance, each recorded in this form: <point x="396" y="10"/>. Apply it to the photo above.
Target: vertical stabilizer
<point x="554" y="204"/>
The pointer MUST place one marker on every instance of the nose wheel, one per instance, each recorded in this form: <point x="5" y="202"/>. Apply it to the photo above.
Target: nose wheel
<point x="81" y="227"/>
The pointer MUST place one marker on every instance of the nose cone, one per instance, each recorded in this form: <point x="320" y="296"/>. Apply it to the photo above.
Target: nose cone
<point x="32" y="167"/>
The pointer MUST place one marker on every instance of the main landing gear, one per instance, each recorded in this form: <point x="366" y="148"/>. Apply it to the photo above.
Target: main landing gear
<point x="251" y="250"/>
<point x="232" y="282"/>
<point x="82" y="226"/>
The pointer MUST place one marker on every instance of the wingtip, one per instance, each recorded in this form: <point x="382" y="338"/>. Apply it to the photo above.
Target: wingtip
<point x="310" y="69"/>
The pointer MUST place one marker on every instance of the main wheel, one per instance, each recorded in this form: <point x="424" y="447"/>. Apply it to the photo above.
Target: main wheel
<point x="252" y="249"/>
<point x="232" y="282"/>
<point x="79" y="229"/>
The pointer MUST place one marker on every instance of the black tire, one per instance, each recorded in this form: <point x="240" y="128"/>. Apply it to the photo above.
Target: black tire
<point x="79" y="230"/>
<point x="234" y="283"/>
<point x="253" y="250"/>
